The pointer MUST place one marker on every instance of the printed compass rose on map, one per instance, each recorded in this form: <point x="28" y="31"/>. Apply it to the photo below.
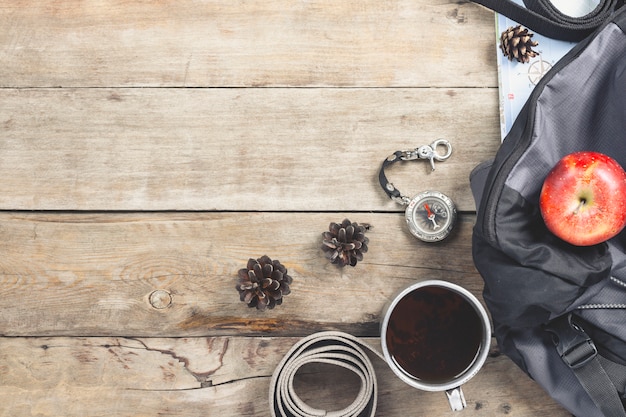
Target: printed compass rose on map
<point x="537" y="70"/>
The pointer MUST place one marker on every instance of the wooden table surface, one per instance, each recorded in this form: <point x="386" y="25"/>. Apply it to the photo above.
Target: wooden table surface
<point x="149" y="148"/>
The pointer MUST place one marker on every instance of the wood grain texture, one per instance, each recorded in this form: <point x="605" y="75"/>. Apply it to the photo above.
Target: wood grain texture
<point x="219" y="376"/>
<point x="235" y="149"/>
<point x="212" y="43"/>
<point x="95" y="274"/>
<point x="149" y="148"/>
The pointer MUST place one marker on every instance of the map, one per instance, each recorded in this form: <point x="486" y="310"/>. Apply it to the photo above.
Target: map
<point x="517" y="80"/>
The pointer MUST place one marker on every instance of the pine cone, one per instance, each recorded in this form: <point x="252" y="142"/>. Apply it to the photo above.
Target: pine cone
<point x="345" y="243"/>
<point x="516" y="43"/>
<point x="263" y="283"/>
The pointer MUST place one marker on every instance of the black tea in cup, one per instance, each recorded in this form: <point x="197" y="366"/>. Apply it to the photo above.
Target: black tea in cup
<point x="434" y="334"/>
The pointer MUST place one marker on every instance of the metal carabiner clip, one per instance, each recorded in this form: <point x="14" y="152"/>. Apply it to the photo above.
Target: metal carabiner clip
<point x="430" y="151"/>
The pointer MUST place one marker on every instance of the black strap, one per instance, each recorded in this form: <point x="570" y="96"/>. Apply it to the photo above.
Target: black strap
<point x="595" y="380"/>
<point x="432" y="152"/>
<point x="543" y="17"/>
<point x="579" y="353"/>
<point x="388" y="187"/>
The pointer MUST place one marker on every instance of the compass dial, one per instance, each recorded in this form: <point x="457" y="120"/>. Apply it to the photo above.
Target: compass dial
<point x="431" y="216"/>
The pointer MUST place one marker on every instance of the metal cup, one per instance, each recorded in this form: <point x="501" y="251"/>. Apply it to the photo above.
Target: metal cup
<point x="435" y="336"/>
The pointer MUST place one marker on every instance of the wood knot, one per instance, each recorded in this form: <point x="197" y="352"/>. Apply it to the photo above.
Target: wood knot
<point x="160" y="299"/>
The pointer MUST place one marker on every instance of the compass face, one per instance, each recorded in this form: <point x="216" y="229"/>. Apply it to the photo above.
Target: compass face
<point x="431" y="216"/>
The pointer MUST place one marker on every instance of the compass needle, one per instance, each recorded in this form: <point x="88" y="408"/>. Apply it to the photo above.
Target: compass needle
<point x="431" y="216"/>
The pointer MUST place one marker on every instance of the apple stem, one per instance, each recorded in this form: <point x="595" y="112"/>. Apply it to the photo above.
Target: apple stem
<point x="580" y="205"/>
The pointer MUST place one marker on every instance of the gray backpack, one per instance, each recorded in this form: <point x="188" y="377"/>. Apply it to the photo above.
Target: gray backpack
<point x="559" y="311"/>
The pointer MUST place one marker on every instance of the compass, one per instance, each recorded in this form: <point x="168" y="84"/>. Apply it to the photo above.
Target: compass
<point x="430" y="215"/>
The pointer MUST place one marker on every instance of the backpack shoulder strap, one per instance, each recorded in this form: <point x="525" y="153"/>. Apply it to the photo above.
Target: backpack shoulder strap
<point x="543" y="17"/>
<point x="579" y="353"/>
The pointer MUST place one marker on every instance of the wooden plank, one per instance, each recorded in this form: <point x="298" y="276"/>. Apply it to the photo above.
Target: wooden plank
<point x="221" y="376"/>
<point x="94" y="274"/>
<point x="235" y="149"/>
<point x="191" y="43"/>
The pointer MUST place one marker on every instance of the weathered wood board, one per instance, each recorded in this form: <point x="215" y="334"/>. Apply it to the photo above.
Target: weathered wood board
<point x="259" y="43"/>
<point x="96" y="274"/>
<point x="219" y="376"/>
<point x="235" y="149"/>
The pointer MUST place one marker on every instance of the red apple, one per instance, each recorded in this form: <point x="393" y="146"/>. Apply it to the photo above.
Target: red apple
<point x="583" y="198"/>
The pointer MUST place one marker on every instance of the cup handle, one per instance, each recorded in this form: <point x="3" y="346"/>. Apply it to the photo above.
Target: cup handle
<point x="456" y="399"/>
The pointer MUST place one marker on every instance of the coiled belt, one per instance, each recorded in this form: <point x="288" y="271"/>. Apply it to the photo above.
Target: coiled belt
<point x="335" y="348"/>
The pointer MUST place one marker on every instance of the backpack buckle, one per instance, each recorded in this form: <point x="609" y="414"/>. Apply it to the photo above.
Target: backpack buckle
<point x="573" y="345"/>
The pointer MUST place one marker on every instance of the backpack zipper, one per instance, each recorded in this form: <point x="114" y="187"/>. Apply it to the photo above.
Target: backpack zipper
<point x="610" y="306"/>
